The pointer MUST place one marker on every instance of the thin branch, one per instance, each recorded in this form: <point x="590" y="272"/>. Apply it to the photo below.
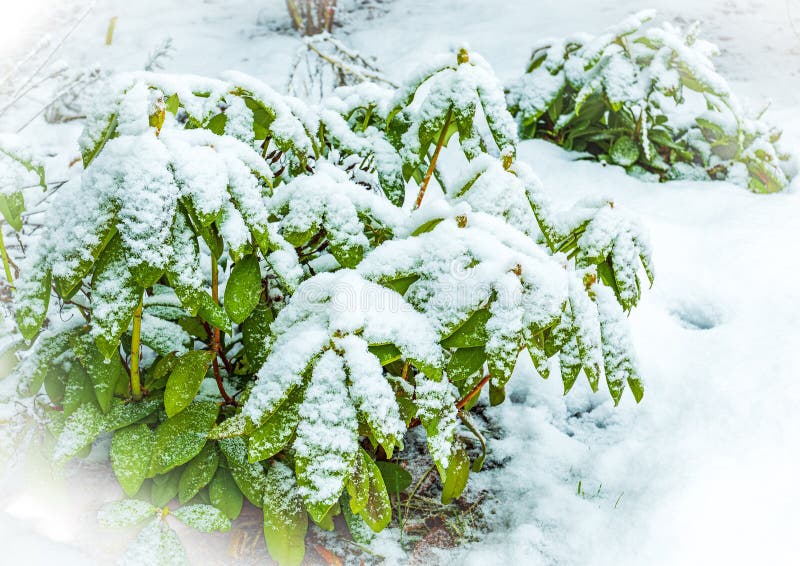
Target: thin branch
<point x="434" y="158"/>
<point x="215" y="335"/>
<point x="475" y="391"/>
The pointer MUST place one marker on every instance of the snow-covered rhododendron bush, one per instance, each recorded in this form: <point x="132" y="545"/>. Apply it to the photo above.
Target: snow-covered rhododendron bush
<point x="310" y="284"/>
<point x="650" y="100"/>
<point x="255" y="299"/>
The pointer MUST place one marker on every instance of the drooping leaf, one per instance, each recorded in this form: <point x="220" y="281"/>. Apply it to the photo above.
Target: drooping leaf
<point x="285" y="518"/>
<point x="180" y="438"/>
<point x="395" y="477"/>
<point x="156" y="545"/>
<point x="377" y="511"/>
<point x="80" y="430"/>
<point x="255" y="331"/>
<point x="198" y="472"/>
<point x="243" y="289"/>
<point x="471" y="334"/>
<point x="249" y="476"/>
<point x="125" y="513"/>
<point x="185" y="380"/>
<point x="204" y="518"/>
<point x="104" y="374"/>
<point x="115" y="296"/>
<point x="131" y="452"/>
<point x="274" y="434"/>
<point x="457" y="476"/>
<point x="225" y="494"/>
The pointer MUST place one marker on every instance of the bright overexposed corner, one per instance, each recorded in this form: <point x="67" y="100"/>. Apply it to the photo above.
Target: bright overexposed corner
<point x="20" y="21"/>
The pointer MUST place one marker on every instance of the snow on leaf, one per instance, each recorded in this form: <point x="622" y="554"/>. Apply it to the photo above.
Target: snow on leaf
<point x="131" y="451"/>
<point x="198" y="472"/>
<point x="285" y="518"/>
<point x="249" y="476"/>
<point x="156" y="545"/>
<point x="204" y="518"/>
<point x="185" y="380"/>
<point x="125" y="513"/>
<point x="327" y="436"/>
<point x="180" y="438"/>
<point x="80" y="430"/>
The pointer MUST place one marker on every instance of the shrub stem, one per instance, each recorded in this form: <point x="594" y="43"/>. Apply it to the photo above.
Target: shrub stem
<point x="434" y="158"/>
<point x="136" y="384"/>
<point x="215" y="339"/>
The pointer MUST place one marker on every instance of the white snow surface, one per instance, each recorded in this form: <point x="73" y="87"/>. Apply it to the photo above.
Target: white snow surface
<point x="704" y="470"/>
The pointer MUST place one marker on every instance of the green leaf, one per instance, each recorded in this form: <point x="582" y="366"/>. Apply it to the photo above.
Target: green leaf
<point x="90" y="153"/>
<point x="255" y="331"/>
<point x="358" y="483"/>
<point x="85" y="259"/>
<point x="211" y="312"/>
<point x="395" y="477"/>
<point x="54" y="382"/>
<point x="497" y="394"/>
<point x="204" y="518"/>
<point x="180" y="438"/>
<point x="285" y="517"/>
<point x="217" y="124"/>
<point x="131" y="451"/>
<point x="185" y="380"/>
<point x="11" y="207"/>
<point x="172" y="104"/>
<point x="344" y="252"/>
<point x="156" y="545"/>
<point x="457" y="476"/>
<point x="359" y="530"/>
<point x="243" y="290"/>
<point x="249" y="476"/>
<point x="165" y="488"/>
<point x="465" y="362"/>
<point x="386" y="353"/>
<point x="80" y="430"/>
<point x="470" y="334"/>
<point x="198" y="473"/>
<point x="377" y="512"/>
<point x="401" y="284"/>
<point x="326" y="521"/>
<point x="115" y="295"/>
<point x="624" y="152"/>
<point x="79" y="389"/>
<point x="273" y="436"/>
<point x="104" y="374"/>
<point x="31" y="307"/>
<point x="427" y="226"/>
<point x="237" y="425"/>
<point x="125" y="513"/>
<point x="225" y="494"/>
<point x="157" y="374"/>
<point x="124" y="413"/>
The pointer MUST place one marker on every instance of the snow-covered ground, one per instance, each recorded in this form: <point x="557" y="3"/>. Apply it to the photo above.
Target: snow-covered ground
<point x="704" y="470"/>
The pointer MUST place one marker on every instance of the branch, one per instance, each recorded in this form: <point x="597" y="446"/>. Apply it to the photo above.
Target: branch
<point x="475" y="390"/>
<point x="434" y="158"/>
<point x="215" y="335"/>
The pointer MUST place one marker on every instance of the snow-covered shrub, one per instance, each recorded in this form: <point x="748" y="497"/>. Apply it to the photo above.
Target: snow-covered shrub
<point x="647" y="99"/>
<point x="256" y="298"/>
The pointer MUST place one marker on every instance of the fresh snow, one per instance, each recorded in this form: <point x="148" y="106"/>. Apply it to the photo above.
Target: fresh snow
<point x="702" y="471"/>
